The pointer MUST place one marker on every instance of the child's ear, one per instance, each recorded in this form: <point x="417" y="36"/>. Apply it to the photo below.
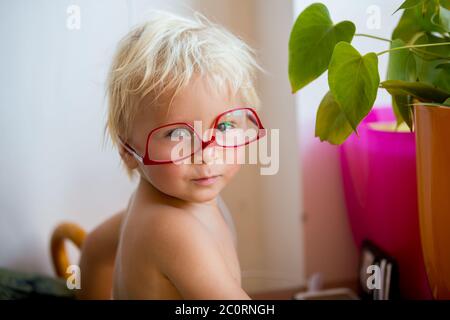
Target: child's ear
<point x="128" y="158"/>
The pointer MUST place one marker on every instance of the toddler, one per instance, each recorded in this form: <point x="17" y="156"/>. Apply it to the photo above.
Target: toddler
<point x="181" y="110"/>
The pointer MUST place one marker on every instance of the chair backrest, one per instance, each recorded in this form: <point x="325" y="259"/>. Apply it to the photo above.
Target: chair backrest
<point x="60" y="259"/>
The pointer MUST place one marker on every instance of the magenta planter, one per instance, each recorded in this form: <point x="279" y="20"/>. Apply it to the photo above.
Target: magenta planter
<point x="379" y="178"/>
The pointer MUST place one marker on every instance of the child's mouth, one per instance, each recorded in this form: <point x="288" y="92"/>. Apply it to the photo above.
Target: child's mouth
<point x="206" y="181"/>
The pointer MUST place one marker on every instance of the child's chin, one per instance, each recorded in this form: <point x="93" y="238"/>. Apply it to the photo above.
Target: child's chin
<point x="203" y="194"/>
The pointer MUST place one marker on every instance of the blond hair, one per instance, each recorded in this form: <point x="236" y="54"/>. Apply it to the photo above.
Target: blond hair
<point x="161" y="55"/>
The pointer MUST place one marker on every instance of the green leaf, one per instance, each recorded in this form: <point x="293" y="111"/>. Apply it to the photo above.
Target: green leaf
<point x="443" y="17"/>
<point x="331" y="122"/>
<point x="433" y="18"/>
<point x="402" y="110"/>
<point x="409" y="4"/>
<point x="402" y="65"/>
<point x="428" y="58"/>
<point x="353" y="80"/>
<point x="429" y="17"/>
<point x="436" y="16"/>
<point x="444" y="66"/>
<point x="311" y="44"/>
<point x="407" y="27"/>
<point x="445" y="4"/>
<point x="442" y="79"/>
<point x="419" y="90"/>
<point x="428" y="73"/>
<point x="441" y="51"/>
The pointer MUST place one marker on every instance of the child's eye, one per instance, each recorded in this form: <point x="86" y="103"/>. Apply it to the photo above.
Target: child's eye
<point x="224" y="126"/>
<point x="178" y="133"/>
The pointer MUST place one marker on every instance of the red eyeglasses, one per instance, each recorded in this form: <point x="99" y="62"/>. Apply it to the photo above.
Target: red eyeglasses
<point x="174" y="142"/>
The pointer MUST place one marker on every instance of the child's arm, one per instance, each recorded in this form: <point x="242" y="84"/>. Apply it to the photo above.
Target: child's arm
<point x="187" y="255"/>
<point x="97" y="259"/>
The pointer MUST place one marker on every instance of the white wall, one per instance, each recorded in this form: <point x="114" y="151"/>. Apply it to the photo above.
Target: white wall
<point x="281" y="193"/>
<point x="327" y="232"/>
<point x="52" y="113"/>
<point x="53" y="165"/>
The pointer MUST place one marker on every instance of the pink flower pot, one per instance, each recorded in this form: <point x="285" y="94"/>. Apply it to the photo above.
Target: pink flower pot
<point x="380" y="187"/>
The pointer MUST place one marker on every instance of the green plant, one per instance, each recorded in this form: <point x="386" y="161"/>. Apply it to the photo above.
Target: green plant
<point x="418" y="68"/>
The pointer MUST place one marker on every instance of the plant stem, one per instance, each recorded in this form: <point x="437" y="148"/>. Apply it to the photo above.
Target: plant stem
<point x="414" y="46"/>
<point x="415" y="50"/>
<point x="416" y="37"/>
<point x="370" y="36"/>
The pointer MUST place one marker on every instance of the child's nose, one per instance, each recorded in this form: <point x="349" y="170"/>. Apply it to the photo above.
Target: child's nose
<point x="210" y="154"/>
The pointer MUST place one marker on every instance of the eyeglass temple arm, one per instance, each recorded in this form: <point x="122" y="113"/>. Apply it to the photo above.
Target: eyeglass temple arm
<point x="255" y="121"/>
<point x="131" y="150"/>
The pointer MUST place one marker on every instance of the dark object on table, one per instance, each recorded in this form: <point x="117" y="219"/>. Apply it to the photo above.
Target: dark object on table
<point x="378" y="274"/>
<point x="19" y="285"/>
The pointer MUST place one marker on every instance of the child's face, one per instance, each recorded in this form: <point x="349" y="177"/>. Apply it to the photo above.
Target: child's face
<point x="196" y="102"/>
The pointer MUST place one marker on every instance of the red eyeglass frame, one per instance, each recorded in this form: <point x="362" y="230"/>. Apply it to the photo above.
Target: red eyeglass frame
<point x="148" y="162"/>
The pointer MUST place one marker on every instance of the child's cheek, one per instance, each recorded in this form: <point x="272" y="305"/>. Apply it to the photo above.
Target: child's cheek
<point x="167" y="178"/>
<point x="230" y="171"/>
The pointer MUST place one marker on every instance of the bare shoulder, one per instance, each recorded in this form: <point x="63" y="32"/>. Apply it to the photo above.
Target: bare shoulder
<point x="166" y="216"/>
<point x="166" y="225"/>
<point x="185" y="251"/>
<point x="105" y="237"/>
<point x="103" y="240"/>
